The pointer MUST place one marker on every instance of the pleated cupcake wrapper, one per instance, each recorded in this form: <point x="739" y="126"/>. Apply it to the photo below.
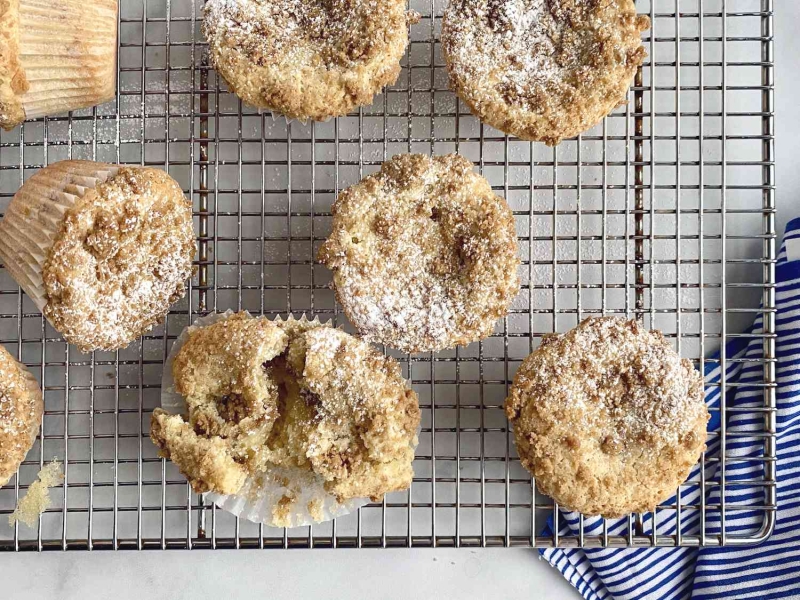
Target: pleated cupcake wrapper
<point x="34" y="217"/>
<point x="68" y="51"/>
<point x="262" y="493"/>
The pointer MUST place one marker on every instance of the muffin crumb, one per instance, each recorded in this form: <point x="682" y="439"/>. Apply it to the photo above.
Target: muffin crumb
<point x="37" y="499"/>
<point x="312" y="398"/>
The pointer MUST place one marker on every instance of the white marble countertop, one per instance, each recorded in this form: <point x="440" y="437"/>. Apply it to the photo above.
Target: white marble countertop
<point x="389" y="574"/>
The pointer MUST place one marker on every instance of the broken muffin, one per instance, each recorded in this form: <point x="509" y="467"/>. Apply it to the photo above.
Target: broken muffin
<point x="290" y="394"/>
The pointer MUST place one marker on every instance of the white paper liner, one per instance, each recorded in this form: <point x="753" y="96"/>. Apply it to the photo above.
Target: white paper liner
<point x="262" y="493"/>
<point x="33" y="219"/>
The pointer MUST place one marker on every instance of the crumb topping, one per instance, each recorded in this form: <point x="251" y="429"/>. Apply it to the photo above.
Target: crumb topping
<point x="336" y="407"/>
<point x="122" y="256"/>
<point x="220" y="371"/>
<point x="306" y="58"/>
<point x="608" y="417"/>
<point x="20" y="414"/>
<point x="362" y="431"/>
<point x="542" y="69"/>
<point x="423" y="254"/>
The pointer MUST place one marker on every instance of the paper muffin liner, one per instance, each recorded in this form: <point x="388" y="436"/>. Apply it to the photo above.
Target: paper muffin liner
<point x="260" y="498"/>
<point x="67" y="49"/>
<point x="33" y="219"/>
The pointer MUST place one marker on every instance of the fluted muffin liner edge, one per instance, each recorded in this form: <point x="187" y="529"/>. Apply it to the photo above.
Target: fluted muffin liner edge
<point x="33" y="220"/>
<point x="68" y="52"/>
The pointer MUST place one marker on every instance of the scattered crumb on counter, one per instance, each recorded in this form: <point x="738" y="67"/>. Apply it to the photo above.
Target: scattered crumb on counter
<point x="37" y="499"/>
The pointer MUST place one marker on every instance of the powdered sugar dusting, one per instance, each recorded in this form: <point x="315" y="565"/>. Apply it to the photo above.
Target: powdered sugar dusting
<point x="121" y="257"/>
<point x="608" y="417"/>
<point x="20" y="413"/>
<point x="346" y="426"/>
<point x="424" y="254"/>
<point x="511" y="44"/>
<point x="259" y="29"/>
<point x="307" y="58"/>
<point x="619" y="380"/>
<point x="542" y="69"/>
<point x="337" y="32"/>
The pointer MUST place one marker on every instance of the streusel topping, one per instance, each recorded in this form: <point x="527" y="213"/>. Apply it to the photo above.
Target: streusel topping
<point x="423" y="253"/>
<point x="307" y="58"/>
<point x="542" y="69"/>
<point x="608" y="417"/>
<point x="303" y="395"/>
<point x="20" y="413"/>
<point x="121" y="257"/>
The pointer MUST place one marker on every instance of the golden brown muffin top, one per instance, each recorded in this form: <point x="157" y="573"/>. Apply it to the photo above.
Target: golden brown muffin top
<point x="20" y="414"/>
<point x="13" y="82"/>
<point x="423" y="254"/>
<point x="607" y="417"/>
<point x="307" y="58"/>
<point x="303" y="395"/>
<point x="542" y="69"/>
<point x="122" y="255"/>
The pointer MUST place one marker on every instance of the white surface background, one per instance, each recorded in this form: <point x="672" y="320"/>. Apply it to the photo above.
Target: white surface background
<point x="389" y="574"/>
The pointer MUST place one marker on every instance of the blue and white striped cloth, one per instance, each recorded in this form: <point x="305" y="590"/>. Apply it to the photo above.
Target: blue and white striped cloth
<point x="770" y="570"/>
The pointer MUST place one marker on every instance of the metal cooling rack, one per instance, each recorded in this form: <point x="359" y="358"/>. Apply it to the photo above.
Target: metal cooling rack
<point x="664" y="212"/>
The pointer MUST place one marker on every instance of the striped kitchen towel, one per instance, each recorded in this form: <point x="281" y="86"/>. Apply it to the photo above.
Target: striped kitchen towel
<point x="770" y="570"/>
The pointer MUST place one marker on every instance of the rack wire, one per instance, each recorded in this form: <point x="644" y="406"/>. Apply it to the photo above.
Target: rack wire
<point x="664" y="212"/>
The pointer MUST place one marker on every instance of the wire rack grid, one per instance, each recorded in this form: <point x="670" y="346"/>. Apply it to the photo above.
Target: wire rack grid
<point x="664" y="212"/>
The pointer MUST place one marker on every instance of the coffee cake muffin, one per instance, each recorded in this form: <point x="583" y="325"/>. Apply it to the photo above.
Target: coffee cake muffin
<point x="294" y="394"/>
<point x="307" y="59"/>
<point x="607" y="417"/>
<point x="21" y="410"/>
<point x="55" y="57"/>
<point x="542" y="70"/>
<point x="102" y="250"/>
<point x="423" y="254"/>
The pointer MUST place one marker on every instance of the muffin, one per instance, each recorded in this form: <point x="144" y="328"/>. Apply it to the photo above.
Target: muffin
<point x="423" y="254"/>
<point x="542" y="70"/>
<point x="102" y="250"/>
<point x="55" y="57"/>
<point x="21" y="410"/>
<point x="288" y="394"/>
<point x="607" y="417"/>
<point x="307" y="59"/>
